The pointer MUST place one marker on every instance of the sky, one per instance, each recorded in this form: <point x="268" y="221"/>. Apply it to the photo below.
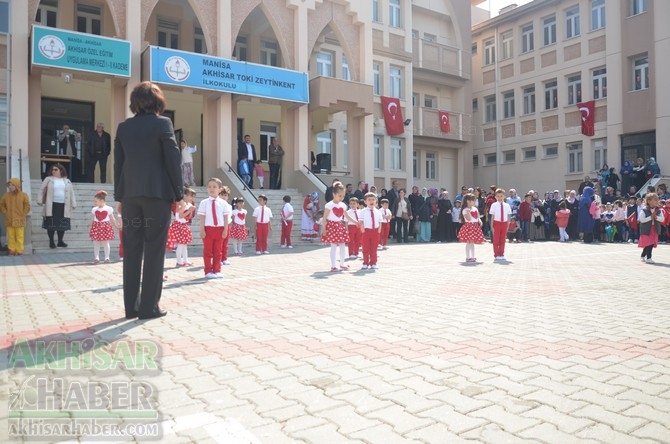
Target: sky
<point x="496" y="5"/>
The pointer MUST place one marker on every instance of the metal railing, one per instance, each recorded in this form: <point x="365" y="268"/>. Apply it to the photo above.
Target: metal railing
<point x="309" y="171"/>
<point x="245" y="187"/>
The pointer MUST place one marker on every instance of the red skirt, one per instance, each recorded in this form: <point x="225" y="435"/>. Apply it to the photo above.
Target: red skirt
<point x="101" y="231"/>
<point x="337" y="232"/>
<point x="179" y="233"/>
<point x="471" y="232"/>
<point x="238" y="231"/>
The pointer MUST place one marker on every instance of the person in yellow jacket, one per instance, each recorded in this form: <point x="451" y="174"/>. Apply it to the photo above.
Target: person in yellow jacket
<point x="15" y="205"/>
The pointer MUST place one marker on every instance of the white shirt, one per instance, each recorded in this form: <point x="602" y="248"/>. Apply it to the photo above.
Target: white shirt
<point x="385" y="212"/>
<point x="287" y="211"/>
<point x="262" y="214"/>
<point x="239" y="216"/>
<point x="205" y="209"/>
<point x="367" y="217"/>
<point x="250" y="152"/>
<point x="178" y="218"/>
<point x="99" y="212"/>
<point x="456" y="214"/>
<point x="228" y="211"/>
<point x="186" y="154"/>
<point x="495" y="211"/>
<point x="355" y="214"/>
<point x="331" y="214"/>
<point x="59" y="190"/>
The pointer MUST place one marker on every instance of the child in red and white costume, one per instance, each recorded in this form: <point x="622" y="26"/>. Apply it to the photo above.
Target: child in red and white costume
<point x="386" y="223"/>
<point x="335" y="231"/>
<point x="371" y="228"/>
<point x="101" y="230"/>
<point x="354" y="228"/>
<point x="179" y="234"/>
<point x="286" y="223"/>
<point x="262" y="214"/>
<point x="471" y="227"/>
<point x="224" y="194"/>
<point x="213" y="228"/>
<point x="238" y="230"/>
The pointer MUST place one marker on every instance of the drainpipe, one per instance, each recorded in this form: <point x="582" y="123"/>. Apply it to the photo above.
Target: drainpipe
<point x="497" y="102"/>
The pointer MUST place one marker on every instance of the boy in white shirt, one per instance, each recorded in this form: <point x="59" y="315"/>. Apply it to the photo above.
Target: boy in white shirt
<point x="354" y="230"/>
<point x="500" y="213"/>
<point x="286" y="223"/>
<point x="213" y="228"/>
<point x="386" y="224"/>
<point x="371" y="229"/>
<point x="262" y="214"/>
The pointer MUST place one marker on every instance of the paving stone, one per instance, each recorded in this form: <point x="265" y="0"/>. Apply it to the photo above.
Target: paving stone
<point x="617" y="421"/>
<point x="547" y="432"/>
<point x="654" y="431"/>
<point x="492" y="433"/>
<point x="347" y="420"/>
<point x="382" y="433"/>
<point x="657" y="402"/>
<point x="400" y="419"/>
<point x="604" y="433"/>
<point x="456" y="422"/>
<point x="509" y="422"/>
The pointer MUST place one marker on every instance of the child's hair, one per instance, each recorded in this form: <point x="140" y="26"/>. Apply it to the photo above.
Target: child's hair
<point x="618" y="203"/>
<point x="649" y="197"/>
<point x="526" y="196"/>
<point x="469" y="197"/>
<point x="562" y="205"/>
<point x="287" y="198"/>
<point x="500" y="190"/>
<point x="224" y="190"/>
<point x="262" y="197"/>
<point x="353" y="199"/>
<point x="189" y="191"/>
<point x="369" y="194"/>
<point x="215" y="180"/>
<point x="101" y="194"/>
<point x="258" y="162"/>
<point x="338" y="187"/>
<point x="237" y="200"/>
<point x="384" y="201"/>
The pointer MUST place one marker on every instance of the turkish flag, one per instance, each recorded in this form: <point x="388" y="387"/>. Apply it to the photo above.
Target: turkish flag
<point x="588" y="110"/>
<point x="392" y="116"/>
<point x="445" y="126"/>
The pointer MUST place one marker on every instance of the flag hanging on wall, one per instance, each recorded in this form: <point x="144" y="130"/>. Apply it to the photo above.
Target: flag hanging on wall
<point x="588" y="110"/>
<point x="445" y="125"/>
<point x="392" y="116"/>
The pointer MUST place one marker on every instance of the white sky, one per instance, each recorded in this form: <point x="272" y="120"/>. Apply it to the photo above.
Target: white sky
<point x="496" y="5"/>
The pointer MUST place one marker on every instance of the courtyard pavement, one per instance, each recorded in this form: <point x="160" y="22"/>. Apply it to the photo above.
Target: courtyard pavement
<point x="564" y="343"/>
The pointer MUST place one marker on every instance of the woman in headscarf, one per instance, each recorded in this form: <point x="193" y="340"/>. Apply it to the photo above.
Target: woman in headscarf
<point x="310" y="206"/>
<point x="584" y="218"/>
<point x="652" y="169"/>
<point x="572" y="204"/>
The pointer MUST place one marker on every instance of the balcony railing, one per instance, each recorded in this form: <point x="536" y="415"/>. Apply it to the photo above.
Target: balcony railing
<point x="426" y="122"/>
<point x="442" y="58"/>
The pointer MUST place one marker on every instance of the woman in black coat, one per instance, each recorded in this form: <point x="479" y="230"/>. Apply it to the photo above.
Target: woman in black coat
<point x="444" y="218"/>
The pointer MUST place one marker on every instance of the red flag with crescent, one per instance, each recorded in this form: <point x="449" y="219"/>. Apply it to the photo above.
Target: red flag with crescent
<point x="445" y="125"/>
<point x="588" y="111"/>
<point x="392" y="116"/>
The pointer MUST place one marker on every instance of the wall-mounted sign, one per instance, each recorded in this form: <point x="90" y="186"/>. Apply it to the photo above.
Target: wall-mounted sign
<point x="79" y="51"/>
<point x="213" y="73"/>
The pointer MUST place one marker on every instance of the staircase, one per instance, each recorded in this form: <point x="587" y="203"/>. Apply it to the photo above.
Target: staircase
<point x="78" y="241"/>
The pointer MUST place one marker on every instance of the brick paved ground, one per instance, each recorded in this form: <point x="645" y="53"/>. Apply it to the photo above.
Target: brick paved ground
<point x="566" y="343"/>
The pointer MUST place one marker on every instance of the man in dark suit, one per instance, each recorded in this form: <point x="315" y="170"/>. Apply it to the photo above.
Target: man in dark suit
<point x="99" y="148"/>
<point x="147" y="180"/>
<point x="247" y="151"/>
<point x="67" y="145"/>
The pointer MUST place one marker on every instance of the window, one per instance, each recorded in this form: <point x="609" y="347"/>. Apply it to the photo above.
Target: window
<point x="3" y="120"/>
<point x="508" y="104"/>
<point x="394" y="13"/>
<point x="572" y="25"/>
<point x="324" y="142"/>
<point x="527" y="38"/>
<point x="168" y="34"/>
<point x="490" y="159"/>
<point x="549" y="30"/>
<point x="429" y="37"/>
<point x="529" y="153"/>
<point x="550" y="150"/>
<point x="376" y="86"/>
<point x="529" y="100"/>
<point x="475" y="161"/>
<point x="551" y="95"/>
<point x="600" y="83"/>
<point x="240" y="49"/>
<point x="507" y="49"/>
<point x="269" y="53"/>
<point x="638" y="7"/>
<point x="378" y="153"/>
<point x="47" y="13"/>
<point x="489" y="52"/>
<point x="490" y="105"/>
<point x="430" y="101"/>
<point x="597" y="14"/>
<point x="599" y="153"/>
<point x="396" y="154"/>
<point x="509" y="156"/>
<point x="4" y="17"/>
<point x="475" y="105"/>
<point x="575" y="157"/>
<point x="199" y="45"/>
<point x="324" y="63"/>
<point x="375" y="11"/>
<point x="89" y="19"/>
<point x="395" y="78"/>
<point x="574" y="89"/>
<point x="346" y="74"/>
<point x="345" y="148"/>
<point x="641" y="73"/>
<point x="415" y="99"/>
<point x="431" y="166"/>
<point x="473" y="50"/>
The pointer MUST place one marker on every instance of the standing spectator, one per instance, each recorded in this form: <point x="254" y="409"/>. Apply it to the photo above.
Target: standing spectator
<point x="423" y="216"/>
<point x="514" y="201"/>
<point x="392" y="195"/>
<point x="613" y="179"/>
<point x="562" y="220"/>
<point x="524" y="216"/>
<point x="15" y="205"/>
<point x="586" y="222"/>
<point x="147" y="179"/>
<point x="99" y="149"/>
<point x="348" y="193"/>
<point x="652" y="169"/>
<point x="57" y="196"/>
<point x="587" y="183"/>
<point x="639" y="173"/>
<point x="402" y="212"/>
<point x="432" y="196"/>
<point x="455" y="220"/>
<point x="247" y="151"/>
<point x="414" y="200"/>
<point x="626" y="171"/>
<point x="67" y="142"/>
<point x="444" y="218"/>
<point x="275" y="155"/>
<point x="187" y="163"/>
<point x="260" y="173"/>
<point x="572" y="204"/>
<point x="360" y="191"/>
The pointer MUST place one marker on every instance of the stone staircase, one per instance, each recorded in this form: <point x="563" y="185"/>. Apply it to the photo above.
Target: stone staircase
<point x="78" y="241"/>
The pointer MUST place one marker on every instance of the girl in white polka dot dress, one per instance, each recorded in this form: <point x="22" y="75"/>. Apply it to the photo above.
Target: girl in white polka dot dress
<point x="335" y="232"/>
<point x="101" y="230"/>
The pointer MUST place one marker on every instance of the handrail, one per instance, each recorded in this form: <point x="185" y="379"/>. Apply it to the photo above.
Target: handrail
<point x="245" y="187"/>
<point x="309" y="171"/>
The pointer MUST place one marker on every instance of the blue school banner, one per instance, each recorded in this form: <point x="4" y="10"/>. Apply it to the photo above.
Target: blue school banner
<point x="79" y="51"/>
<point x="212" y="73"/>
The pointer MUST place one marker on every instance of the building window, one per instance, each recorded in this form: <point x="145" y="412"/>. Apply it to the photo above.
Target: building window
<point x="549" y="30"/>
<point x="473" y="49"/>
<point x="429" y="37"/>
<point x="395" y="85"/>
<point x="269" y="53"/>
<point x="489" y="52"/>
<point x="572" y="25"/>
<point x="551" y="95"/>
<point x="168" y="34"/>
<point x="574" y="89"/>
<point x="490" y="104"/>
<point x="89" y="19"/>
<point x="508" y="104"/>
<point x="378" y="153"/>
<point x="431" y="166"/>
<point x="199" y="45"/>
<point x="638" y="7"/>
<point x="376" y="80"/>
<point x="600" y="83"/>
<point x="415" y="164"/>
<point x="597" y="14"/>
<point x="324" y="142"/>
<point x="375" y="11"/>
<point x="396" y="154"/>
<point x="490" y="159"/>
<point x="324" y="63"/>
<point x="509" y="156"/>
<point x="641" y="73"/>
<point x="394" y="13"/>
<point x="575" y="157"/>
<point x="550" y="150"/>
<point x="599" y="153"/>
<point x="475" y="161"/>
<point x="527" y="38"/>
<point x="415" y="99"/>
<point x="529" y="100"/>
<point x="240" y="49"/>
<point x="507" y="46"/>
<point x="3" y="120"/>
<point x="345" y="148"/>
<point x="529" y="153"/>
<point x="430" y="101"/>
<point x="475" y="105"/>
<point x="47" y="13"/>
<point x="346" y="74"/>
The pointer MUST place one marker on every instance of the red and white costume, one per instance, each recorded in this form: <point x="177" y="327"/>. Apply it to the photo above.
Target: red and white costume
<point x="372" y="220"/>
<point x="386" y="226"/>
<point x="336" y="230"/>
<point x="180" y="232"/>
<point x="286" y="224"/>
<point x="354" y="232"/>
<point x="238" y="230"/>
<point x="101" y="228"/>
<point x="262" y="214"/>
<point x="471" y="232"/>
